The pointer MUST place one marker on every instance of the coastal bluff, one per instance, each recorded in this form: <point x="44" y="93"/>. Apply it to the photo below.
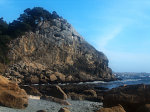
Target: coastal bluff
<point x="54" y="52"/>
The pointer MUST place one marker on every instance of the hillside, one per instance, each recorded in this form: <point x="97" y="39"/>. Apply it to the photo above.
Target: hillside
<point x="52" y="51"/>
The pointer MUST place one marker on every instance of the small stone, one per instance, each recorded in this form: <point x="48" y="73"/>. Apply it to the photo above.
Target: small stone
<point x="64" y="109"/>
<point x="41" y="111"/>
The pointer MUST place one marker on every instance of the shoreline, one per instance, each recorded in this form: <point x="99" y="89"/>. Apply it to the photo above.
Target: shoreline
<point x="38" y="104"/>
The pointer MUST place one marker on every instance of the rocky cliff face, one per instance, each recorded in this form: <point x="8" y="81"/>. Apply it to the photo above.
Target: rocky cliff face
<point x="55" y="52"/>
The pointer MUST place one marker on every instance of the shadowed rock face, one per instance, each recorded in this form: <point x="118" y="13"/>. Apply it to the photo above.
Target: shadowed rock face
<point x="55" y="49"/>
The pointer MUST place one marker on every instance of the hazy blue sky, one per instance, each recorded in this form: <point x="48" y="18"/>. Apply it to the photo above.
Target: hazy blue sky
<point x="119" y="28"/>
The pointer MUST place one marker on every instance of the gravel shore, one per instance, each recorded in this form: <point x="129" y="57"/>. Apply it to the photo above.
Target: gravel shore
<point x="35" y="104"/>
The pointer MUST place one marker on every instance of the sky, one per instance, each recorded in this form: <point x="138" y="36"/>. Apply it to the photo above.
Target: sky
<point x="118" y="28"/>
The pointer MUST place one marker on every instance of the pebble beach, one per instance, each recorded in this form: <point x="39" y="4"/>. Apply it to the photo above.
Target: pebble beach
<point x="38" y="104"/>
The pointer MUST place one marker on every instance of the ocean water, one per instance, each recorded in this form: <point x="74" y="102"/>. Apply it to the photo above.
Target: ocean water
<point x="127" y="79"/>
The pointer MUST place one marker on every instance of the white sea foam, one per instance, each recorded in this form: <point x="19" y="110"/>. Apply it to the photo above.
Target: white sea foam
<point x="129" y="80"/>
<point x="34" y="97"/>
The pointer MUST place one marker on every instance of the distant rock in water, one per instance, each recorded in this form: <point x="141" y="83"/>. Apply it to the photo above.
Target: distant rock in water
<point x="55" y="52"/>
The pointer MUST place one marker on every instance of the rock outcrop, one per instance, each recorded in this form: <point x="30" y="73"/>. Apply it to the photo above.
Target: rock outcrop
<point x="118" y="108"/>
<point x="57" y="92"/>
<point x="55" y="52"/>
<point x="11" y="95"/>
<point x="144" y="108"/>
<point x="130" y="97"/>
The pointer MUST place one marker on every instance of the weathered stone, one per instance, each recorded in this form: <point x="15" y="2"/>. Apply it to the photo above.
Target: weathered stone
<point x="64" y="109"/>
<point x="118" y="108"/>
<point x="53" y="77"/>
<point x="11" y="95"/>
<point x="75" y="96"/>
<point x="90" y="92"/>
<point x="69" y="78"/>
<point x="60" y="76"/>
<point x="32" y="80"/>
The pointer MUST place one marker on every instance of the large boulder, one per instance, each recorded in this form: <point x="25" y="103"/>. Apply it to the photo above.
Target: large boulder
<point x="57" y="92"/>
<point x="11" y="95"/>
<point x="118" y="108"/>
<point x="130" y="97"/>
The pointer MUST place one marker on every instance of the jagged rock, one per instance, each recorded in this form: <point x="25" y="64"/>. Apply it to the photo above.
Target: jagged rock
<point x="64" y="109"/>
<point x="11" y="95"/>
<point x="56" y="46"/>
<point x="118" y="108"/>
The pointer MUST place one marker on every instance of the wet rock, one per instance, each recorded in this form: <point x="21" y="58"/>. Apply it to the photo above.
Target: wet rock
<point x="11" y="95"/>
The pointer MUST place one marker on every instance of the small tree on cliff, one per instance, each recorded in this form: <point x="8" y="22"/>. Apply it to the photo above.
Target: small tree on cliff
<point x="34" y="16"/>
<point x="4" y="39"/>
<point x="28" y="21"/>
